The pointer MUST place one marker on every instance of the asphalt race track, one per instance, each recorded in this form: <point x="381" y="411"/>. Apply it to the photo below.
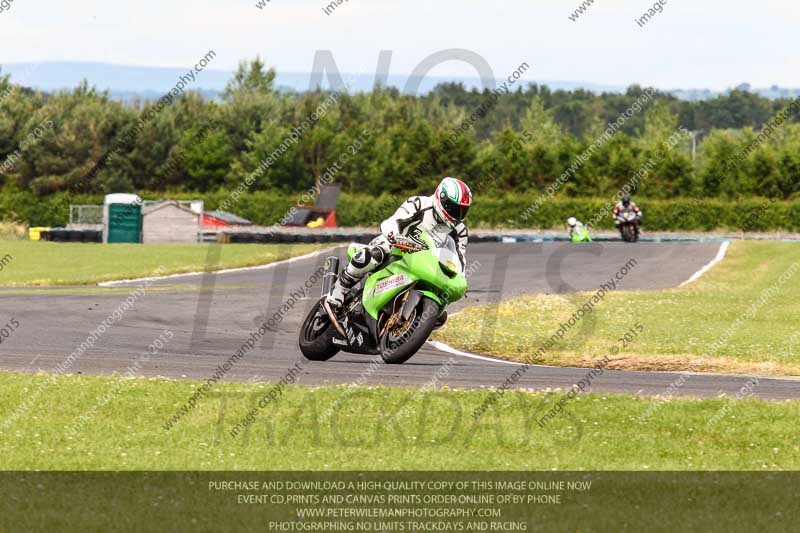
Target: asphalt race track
<point x="211" y="315"/>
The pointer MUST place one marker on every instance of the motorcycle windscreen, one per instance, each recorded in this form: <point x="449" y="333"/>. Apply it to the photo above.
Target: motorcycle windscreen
<point x="448" y="256"/>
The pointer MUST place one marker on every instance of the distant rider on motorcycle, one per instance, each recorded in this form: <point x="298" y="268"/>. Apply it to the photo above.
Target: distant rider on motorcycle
<point x="627" y="204"/>
<point x="440" y="215"/>
<point x="577" y="231"/>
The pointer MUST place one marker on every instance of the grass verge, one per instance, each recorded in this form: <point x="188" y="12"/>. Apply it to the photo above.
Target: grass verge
<point x="740" y="317"/>
<point x="113" y="423"/>
<point x="35" y="263"/>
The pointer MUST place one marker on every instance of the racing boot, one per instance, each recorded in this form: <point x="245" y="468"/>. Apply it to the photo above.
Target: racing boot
<point x="335" y="299"/>
<point x="340" y="290"/>
<point x="363" y="262"/>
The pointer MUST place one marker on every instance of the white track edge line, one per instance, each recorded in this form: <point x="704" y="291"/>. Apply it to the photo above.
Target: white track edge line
<point x="723" y="248"/>
<point x="449" y="349"/>
<point x="225" y="271"/>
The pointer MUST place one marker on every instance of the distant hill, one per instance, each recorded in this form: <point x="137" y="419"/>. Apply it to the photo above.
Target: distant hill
<point x="129" y="82"/>
<point x="772" y="93"/>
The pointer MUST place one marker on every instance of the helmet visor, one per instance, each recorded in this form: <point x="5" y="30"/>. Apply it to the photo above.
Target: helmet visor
<point x="455" y="211"/>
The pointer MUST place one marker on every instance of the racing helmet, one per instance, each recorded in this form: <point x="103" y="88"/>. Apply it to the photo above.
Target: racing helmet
<point x="451" y="201"/>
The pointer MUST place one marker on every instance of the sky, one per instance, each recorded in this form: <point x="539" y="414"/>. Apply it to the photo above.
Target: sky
<point x="713" y="44"/>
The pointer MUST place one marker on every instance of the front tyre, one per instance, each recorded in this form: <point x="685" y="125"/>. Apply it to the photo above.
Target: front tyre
<point x="400" y="343"/>
<point x="629" y="233"/>
<point x="316" y="335"/>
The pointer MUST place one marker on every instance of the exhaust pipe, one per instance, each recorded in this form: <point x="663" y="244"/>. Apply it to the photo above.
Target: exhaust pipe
<point x="331" y="272"/>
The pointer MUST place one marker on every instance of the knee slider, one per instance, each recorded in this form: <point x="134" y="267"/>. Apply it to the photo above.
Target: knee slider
<point x="377" y="254"/>
<point x="361" y="258"/>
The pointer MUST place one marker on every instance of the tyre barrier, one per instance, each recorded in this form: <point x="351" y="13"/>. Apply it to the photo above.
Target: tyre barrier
<point x="292" y="238"/>
<point x="284" y="237"/>
<point x="69" y="235"/>
<point x="341" y="236"/>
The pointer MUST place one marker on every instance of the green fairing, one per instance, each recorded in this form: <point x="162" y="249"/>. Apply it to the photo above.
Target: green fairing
<point x="422" y="267"/>
<point x="581" y="236"/>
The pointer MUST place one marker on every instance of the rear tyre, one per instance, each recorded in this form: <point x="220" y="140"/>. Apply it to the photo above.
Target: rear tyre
<point x="399" y="346"/>
<point x="316" y="335"/>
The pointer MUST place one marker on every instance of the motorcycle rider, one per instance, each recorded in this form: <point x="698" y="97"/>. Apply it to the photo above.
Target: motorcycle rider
<point x="440" y="215"/>
<point x="577" y="231"/>
<point x="627" y="204"/>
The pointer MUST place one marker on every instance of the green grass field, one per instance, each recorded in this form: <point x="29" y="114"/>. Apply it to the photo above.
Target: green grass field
<point x="378" y="428"/>
<point x="739" y="317"/>
<point x="33" y="263"/>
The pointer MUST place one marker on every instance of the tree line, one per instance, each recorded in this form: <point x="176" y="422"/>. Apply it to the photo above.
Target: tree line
<point x="521" y="143"/>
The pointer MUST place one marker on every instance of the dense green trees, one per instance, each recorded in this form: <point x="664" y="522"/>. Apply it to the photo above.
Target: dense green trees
<point x="523" y="143"/>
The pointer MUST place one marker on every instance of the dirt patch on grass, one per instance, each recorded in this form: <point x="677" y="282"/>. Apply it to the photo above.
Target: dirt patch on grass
<point x="674" y="363"/>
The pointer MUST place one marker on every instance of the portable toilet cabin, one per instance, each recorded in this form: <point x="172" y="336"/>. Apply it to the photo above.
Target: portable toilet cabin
<point x="122" y="218"/>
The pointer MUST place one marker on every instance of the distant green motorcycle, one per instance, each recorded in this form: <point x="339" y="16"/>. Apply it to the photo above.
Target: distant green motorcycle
<point x="577" y="231"/>
<point x="581" y="235"/>
<point x="393" y="311"/>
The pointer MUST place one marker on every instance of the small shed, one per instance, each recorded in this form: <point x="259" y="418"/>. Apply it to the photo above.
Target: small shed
<point x="170" y="221"/>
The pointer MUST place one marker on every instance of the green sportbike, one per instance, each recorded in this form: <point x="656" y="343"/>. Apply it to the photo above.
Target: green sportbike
<point x="580" y="235"/>
<point x="391" y="312"/>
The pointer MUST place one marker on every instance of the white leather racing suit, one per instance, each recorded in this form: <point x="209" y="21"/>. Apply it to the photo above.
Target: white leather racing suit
<point x="576" y="229"/>
<point x="414" y="216"/>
